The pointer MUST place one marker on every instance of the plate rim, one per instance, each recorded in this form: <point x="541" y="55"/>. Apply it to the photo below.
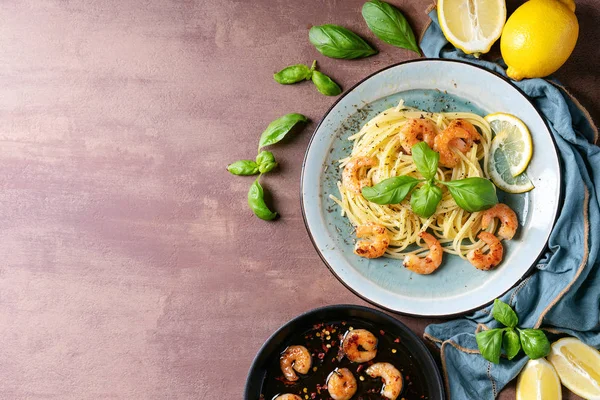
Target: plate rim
<point x="554" y="217"/>
<point x="345" y="306"/>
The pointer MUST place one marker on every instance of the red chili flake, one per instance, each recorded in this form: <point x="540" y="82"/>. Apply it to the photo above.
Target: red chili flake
<point x="343" y="322"/>
<point x="324" y="347"/>
<point x="360" y="368"/>
<point x="313" y="395"/>
<point x="397" y="340"/>
<point x="381" y="332"/>
<point x="321" y="356"/>
<point x="408" y="377"/>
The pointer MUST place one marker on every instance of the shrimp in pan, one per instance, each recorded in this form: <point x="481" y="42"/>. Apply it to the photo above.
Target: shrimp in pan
<point x="375" y="243"/>
<point x="359" y="345"/>
<point x="295" y="359"/>
<point x="392" y="379"/>
<point x="341" y="384"/>
<point x="354" y="176"/>
<point x="431" y="262"/>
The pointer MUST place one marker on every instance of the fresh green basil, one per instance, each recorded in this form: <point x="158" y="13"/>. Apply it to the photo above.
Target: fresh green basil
<point x="243" y="167"/>
<point x="279" y="128"/>
<point x="534" y="342"/>
<point x="472" y="194"/>
<point x="325" y="84"/>
<point x="490" y="344"/>
<point x="424" y="201"/>
<point x="504" y="314"/>
<point x="511" y="343"/>
<point x="293" y="74"/>
<point x="425" y="159"/>
<point x="338" y="42"/>
<point x="266" y="161"/>
<point x="256" y="201"/>
<point x="389" y="25"/>
<point x="391" y="190"/>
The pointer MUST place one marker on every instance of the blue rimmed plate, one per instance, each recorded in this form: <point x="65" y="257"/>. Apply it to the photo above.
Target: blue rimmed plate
<point x="456" y="287"/>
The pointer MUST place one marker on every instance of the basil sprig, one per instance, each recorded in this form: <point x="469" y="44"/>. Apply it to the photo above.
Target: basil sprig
<point x="293" y="74"/>
<point x="424" y="201"/>
<point x="391" y="190"/>
<point x="426" y="160"/>
<point x="243" y="167"/>
<point x="338" y="42"/>
<point x="389" y="25"/>
<point x="299" y="72"/>
<point x="534" y="342"/>
<point x="472" y="194"/>
<point x="265" y="162"/>
<point x="279" y="128"/>
<point x="256" y="201"/>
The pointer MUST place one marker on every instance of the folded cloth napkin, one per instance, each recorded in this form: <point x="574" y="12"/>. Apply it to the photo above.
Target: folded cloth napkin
<point x="562" y="296"/>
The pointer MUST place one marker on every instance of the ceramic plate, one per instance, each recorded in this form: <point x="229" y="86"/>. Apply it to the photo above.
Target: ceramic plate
<point x="456" y="287"/>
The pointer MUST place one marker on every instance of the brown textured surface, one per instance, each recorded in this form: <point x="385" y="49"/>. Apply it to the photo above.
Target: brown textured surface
<point x="132" y="268"/>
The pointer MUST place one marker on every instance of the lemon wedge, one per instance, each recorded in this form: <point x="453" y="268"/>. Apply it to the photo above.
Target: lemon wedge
<point x="516" y="144"/>
<point x="538" y="381"/>
<point x="578" y="366"/>
<point x="472" y="25"/>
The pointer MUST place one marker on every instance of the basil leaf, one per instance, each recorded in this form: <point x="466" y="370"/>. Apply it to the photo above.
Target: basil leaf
<point x="389" y="25"/>
<point x="338" y="42"/>
<point x="243" y="167"/>
<point x="266" y="161"/>
<point x="424" y="201"/>
<point x="504" y="314"/>
<point x="325" y="84"/>
<point x="279" y="128"/>
<point x="391" y="190"/>
<point x="292" y="74"/>
<point x="425" y="159"/>
<point x="256" y="201"/>
<point x="534" y="342"/>
<point x="490" y="344"/>
<point x="473" y="194"/>
<point x="511" y="343"/>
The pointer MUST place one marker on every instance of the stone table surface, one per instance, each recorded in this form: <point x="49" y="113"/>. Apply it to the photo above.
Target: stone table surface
<point x="133" y="268"/>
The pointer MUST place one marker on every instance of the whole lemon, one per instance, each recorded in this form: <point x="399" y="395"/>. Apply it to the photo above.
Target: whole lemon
<point x="539" y="37"/>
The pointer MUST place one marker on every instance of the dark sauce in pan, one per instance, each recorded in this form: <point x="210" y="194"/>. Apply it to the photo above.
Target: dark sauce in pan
<point x="323" y="341"/>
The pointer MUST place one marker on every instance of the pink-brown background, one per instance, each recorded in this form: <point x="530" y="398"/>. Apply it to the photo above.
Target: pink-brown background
<point x="131" y="266"/>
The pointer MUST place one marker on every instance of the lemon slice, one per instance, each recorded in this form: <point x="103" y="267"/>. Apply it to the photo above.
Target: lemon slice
<point x="578" y="366"/>
<point x="472" y="25"/>
<point x="538" y="381"/>
<point x="516" y="144"/>
<point x="499" y="170"/>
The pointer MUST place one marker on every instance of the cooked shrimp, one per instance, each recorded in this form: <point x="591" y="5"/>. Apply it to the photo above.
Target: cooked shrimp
<point x="507" y="217"/>
<point x="415" y="131"/>
<point x="431" y="262"/>
<point x="288" y="396"/>
<point x="354" y="176"/>
<point x="341" y="384"/>
<point x="492" y="258"/>
<point x="392" y="379"/>
<point x="376" y="242"/>
<point x="460" y="134"/>
<point x="295" y="358"/>
<point x="355" y="340"/>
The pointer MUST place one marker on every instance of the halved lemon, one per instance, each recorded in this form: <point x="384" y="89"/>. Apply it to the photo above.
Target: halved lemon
<point x="516" y="144"/>
<point x="538" y="381"/>
<point x="578" y="366"/>
<point x="472" y="25"/>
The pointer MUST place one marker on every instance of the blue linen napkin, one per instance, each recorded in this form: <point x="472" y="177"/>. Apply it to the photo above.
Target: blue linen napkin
<point x="562" y="296"/>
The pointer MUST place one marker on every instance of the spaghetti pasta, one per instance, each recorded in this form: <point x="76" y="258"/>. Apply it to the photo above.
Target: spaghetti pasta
<point x="380" y="138"/>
